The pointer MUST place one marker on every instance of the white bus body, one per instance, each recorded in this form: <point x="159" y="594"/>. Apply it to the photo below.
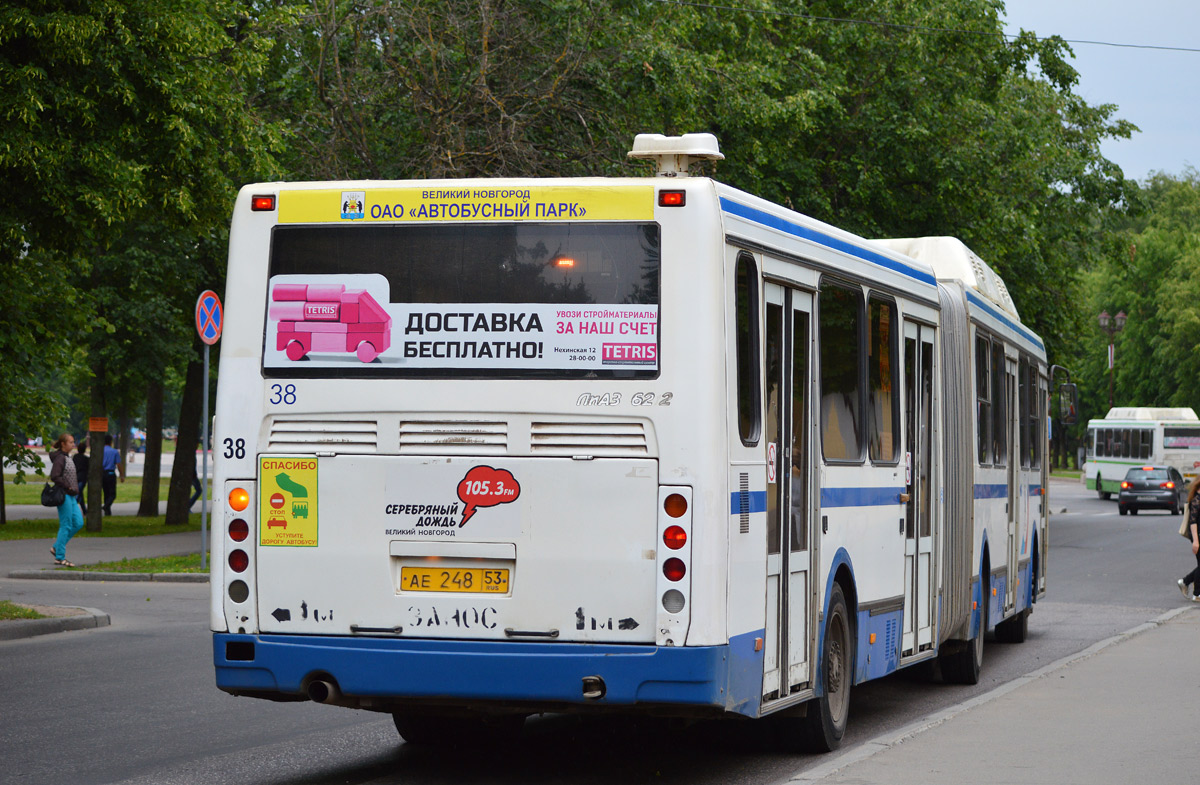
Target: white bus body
<point x="636" y="444"/>
<point x="1133" y="436"/>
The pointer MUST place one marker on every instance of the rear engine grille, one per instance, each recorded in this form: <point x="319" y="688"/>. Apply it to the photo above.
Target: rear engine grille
<point x="337" y="436"/>
<point x="453" y="438"/>
<point x="588" y="438"/>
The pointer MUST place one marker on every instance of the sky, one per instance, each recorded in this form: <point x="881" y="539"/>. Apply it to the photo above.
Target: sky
<point x="1158" y="91"/>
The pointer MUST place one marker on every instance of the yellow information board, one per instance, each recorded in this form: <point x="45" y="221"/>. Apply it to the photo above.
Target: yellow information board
<point x="287" y="501"/>
<point x="469" y="203"/>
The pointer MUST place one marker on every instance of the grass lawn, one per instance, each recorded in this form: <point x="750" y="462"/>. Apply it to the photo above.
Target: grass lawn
<point x="9" y="610"/>
<point x="30" y="491"/>
<point x="1066" y="474"/>
<point x="188" y="563"/>
<point x="113" y="526"/>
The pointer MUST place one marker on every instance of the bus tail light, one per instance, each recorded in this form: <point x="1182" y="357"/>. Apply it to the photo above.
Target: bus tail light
<point x="238" y="560"/>
<point x="262" y="203"/>
<point x="234" y="565"/>
<point x="674" y="559"/>
<point x="672" y="198"/>
<point x="675" y="537"/>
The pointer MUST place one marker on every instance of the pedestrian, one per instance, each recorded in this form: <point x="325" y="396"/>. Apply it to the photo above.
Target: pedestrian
<point x="62" y="474"/>
<point x="110" y="465"/>
<point x="82" y="464"/>
<point x="1193" y="516"/>
<point x="197" y="489"/>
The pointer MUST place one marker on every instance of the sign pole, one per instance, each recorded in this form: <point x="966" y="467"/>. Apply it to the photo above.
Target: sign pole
<point x="204" y="475"/>
<point x="209" y="321"/>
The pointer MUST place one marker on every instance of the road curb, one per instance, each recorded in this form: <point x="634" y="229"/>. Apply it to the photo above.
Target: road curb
<point x="110" y="577"/>
<point x="886" y="741"/>
<point x="28" y="628"/>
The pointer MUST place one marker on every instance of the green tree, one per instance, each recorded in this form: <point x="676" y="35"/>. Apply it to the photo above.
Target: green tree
<point x="116" y="113"/>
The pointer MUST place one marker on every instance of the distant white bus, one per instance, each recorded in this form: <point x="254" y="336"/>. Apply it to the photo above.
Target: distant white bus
<point x="1131" y="436"/>
<point x="488" y="448"/>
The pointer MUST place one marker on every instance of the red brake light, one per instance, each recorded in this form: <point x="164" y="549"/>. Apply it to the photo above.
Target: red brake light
<point x="264" y="203"/>
<point x="238" y="530"/>
<point x="1124" y="485"/>
<point x="674" y="569"/>
<point x="675" y="537"/>
<point x="672" y="198"/>
<point x="238" y="561"/>
<point x="1167" y="484"/>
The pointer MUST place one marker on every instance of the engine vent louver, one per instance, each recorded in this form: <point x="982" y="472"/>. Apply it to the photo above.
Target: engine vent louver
<point x="588" y="438"/>
<point x="336" y="436"/>
<point x="453" y="438"/>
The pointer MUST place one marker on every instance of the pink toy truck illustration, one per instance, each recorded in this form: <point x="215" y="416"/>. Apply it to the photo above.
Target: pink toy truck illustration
<point x="328" y="318"/>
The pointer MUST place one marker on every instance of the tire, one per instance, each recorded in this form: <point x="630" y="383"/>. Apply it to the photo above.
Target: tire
<point x="1103" y="494"/>
<point x="1015" y="629"/>
<point x="825" y="722"/>
<point x="1133" y="510"/>
<point x="963" y="665"/>
<point x="447" y="731"/>
<point x="1122" y="509"/>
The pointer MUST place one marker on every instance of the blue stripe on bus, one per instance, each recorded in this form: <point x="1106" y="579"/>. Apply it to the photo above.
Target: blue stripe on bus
<point x="1000" y="490"/>
<point x="756" y="501"/>
<point x="996" y="314"/>
<point x="860" y="497"/>
<point x="994" y="491"/>
<point x="803" y="232"/>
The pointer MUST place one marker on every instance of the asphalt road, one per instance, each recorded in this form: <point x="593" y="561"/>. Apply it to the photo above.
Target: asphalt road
<point x="135" y="702"/>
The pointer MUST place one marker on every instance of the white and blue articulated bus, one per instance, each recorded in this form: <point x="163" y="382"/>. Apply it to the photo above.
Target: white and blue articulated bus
<point x="490" y="448"/>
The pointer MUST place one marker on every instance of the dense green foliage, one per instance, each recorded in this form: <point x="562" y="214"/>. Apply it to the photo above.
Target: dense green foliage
<point x="128" y="124"/>
<point x="1152" y="274"/>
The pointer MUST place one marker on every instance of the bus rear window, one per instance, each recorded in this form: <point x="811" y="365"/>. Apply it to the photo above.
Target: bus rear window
<point x="515" y="300"/>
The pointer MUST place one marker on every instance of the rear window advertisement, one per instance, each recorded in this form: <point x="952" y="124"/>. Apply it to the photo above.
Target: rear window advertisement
<point x="349" y="321"/>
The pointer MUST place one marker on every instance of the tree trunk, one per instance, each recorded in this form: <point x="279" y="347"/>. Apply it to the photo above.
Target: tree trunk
<point x="95" y="489"/>
<point x="184" y="468"/>
<point x="152" y="470"/>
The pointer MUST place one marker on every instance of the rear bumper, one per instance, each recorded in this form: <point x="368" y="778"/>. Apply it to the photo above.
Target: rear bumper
<point x="546" y="676"/>
<point x="1148" y="501"/>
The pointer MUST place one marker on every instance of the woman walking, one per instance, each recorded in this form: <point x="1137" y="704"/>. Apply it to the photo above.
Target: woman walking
<point x="62" y="474"/>
<point x="1193" y="513"/>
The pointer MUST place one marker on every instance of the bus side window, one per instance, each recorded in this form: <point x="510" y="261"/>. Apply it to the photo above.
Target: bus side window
<point x="841" y="318"/>
<point x="999" y="407"/>
<point x="983" y="397"/>
<point x="883" y="406"/>
<point x="748" y="384"/>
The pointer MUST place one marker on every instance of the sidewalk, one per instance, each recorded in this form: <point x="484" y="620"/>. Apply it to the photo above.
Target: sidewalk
<point x="1121" y="711"/>
<point x="32" y="558"/>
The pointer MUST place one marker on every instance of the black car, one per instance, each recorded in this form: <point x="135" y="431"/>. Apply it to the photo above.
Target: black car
<point x="1151" y="488"/>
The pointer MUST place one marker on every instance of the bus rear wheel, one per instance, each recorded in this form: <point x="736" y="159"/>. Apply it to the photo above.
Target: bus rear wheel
<point x="1015" y="629"/>
<point x="825" y="721"/>
<point x="963" y="665"/>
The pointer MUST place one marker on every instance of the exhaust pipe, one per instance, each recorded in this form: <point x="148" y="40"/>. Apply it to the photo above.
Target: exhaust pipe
<point x="321" y="691"/>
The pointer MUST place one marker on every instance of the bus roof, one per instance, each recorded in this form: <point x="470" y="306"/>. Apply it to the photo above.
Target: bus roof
<point x="952" y="260"/>
<point x="1150" y="413"/>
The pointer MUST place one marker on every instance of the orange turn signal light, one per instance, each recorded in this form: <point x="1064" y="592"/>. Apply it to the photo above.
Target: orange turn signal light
<point x="675" y="505"/>
<point x="239" y="499"/>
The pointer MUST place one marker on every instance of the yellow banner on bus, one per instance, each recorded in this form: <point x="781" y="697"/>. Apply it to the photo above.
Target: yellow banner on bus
<point x="470" y="203"/>
<point x="287" y="501"/>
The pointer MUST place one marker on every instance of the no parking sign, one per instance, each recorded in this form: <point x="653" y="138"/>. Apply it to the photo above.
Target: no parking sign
<point x="209" y="316"/>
